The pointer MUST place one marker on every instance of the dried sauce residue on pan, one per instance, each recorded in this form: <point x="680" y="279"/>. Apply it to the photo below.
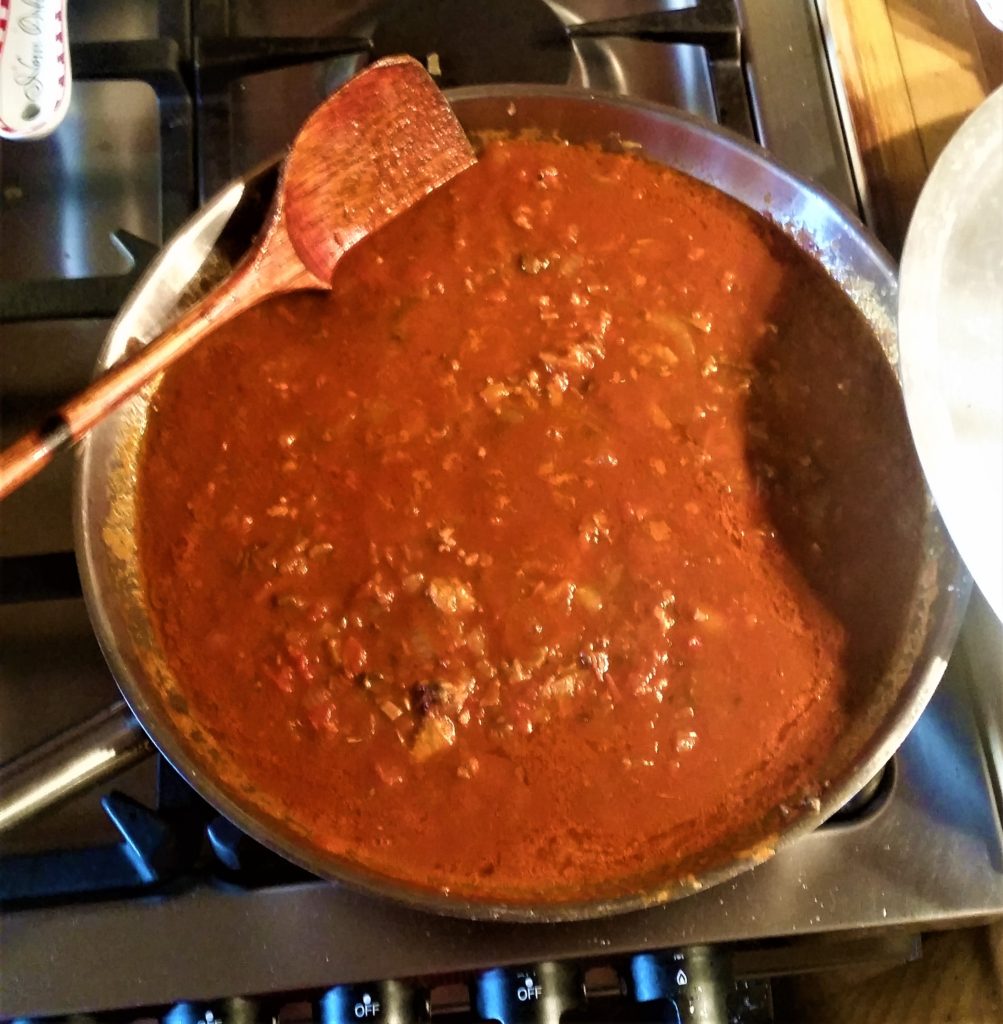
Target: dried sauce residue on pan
<point x="551" y="549"/>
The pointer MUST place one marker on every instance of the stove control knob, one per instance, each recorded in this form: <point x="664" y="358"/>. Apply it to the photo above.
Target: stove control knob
<point x="692" y="984"/>
<point x="539" y="994"/>
<point x="225" y="1011"/>
<point x="381" y="1002"/>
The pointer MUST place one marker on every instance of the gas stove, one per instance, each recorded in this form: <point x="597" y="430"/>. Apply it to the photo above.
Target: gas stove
<point x="137" y="901"/>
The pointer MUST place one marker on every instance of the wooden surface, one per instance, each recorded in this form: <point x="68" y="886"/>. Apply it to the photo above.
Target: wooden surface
<point x="912" y="70"/>
<point x="958" y="980"/>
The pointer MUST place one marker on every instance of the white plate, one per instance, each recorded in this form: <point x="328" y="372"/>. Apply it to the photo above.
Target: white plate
<point x="951" y="340"/>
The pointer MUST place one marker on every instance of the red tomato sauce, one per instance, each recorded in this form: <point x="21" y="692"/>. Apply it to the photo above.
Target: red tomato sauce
<point x="554" y="546"/>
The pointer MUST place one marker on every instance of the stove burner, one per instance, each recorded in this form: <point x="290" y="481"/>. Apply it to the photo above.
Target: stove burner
<point x="466" y="42"/>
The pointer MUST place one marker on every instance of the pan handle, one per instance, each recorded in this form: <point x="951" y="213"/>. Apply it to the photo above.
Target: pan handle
<point x="74" y="760"/>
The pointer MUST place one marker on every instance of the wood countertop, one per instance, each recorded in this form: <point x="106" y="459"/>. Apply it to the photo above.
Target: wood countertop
<point x="911" y="71"/>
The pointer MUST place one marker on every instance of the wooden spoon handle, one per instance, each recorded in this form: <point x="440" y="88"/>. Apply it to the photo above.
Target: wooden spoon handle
<point x="266" y="272"/>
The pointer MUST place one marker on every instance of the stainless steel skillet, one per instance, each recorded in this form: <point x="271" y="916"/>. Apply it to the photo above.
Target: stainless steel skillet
<point x="203" y="250"/>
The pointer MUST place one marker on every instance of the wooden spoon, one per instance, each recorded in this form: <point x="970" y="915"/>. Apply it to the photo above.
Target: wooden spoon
<point x="378" y="145"/>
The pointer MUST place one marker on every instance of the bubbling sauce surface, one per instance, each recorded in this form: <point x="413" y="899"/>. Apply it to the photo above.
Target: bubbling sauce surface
<point x="554" y="546"/>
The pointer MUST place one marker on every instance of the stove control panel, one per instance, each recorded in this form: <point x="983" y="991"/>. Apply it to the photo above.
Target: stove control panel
<point x="694" y="985"/>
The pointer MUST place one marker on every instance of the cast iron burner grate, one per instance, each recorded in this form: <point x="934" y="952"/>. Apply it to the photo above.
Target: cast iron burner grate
<point x="158" y="63"/>
<point x="191" y="71"/>
<point x="463" y="43"/>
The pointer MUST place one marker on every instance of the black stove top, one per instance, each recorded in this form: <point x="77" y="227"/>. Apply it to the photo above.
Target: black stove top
<point x="141" y="896"/>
